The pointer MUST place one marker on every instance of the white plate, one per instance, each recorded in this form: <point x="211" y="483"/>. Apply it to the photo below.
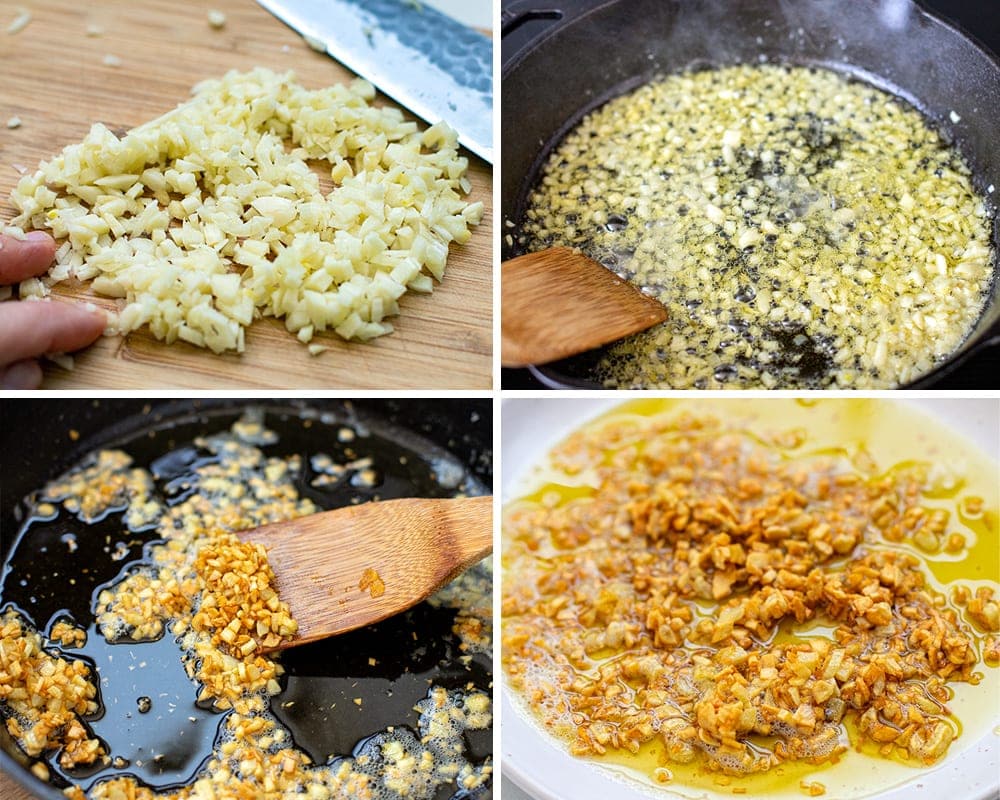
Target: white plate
<point x="542" y="767"/>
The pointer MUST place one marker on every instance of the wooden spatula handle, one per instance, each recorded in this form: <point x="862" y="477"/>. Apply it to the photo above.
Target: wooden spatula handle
<point x="557" y="303"/>
<point x="354" y="566"/>
<point x="463" y="526"/>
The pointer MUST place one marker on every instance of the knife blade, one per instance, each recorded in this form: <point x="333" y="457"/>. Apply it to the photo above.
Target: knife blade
<point x="436" y="67"/>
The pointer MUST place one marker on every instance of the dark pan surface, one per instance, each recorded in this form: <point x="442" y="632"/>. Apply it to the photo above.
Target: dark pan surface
<point x="576" y="63"/>
<point x="408" y="442"/>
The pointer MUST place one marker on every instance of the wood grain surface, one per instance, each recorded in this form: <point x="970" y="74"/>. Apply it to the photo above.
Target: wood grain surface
<point x="9" y="790"/>
<point x="412" y="547"/>
<point x="54" y="78"/>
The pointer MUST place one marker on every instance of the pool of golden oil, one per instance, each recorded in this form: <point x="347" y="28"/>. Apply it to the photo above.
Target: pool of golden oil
<point x="876" y="436"/>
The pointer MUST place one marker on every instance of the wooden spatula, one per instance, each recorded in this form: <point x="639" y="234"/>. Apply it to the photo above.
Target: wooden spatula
<point x="557" y="303"/>
<point x="344" y="569"/>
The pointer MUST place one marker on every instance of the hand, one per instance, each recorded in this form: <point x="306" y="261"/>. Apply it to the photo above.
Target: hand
<point x="30" y="329"/>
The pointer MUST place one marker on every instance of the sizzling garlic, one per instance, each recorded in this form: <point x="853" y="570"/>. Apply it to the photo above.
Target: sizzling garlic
<point x="803" y="230"/>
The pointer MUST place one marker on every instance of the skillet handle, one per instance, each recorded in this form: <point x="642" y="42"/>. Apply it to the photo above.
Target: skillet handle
<point x="516" y="13"/>
<point x="524" y="22"/>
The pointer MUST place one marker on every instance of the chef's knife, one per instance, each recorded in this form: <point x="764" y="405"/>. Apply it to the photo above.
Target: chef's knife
<point x="423" y="59"/>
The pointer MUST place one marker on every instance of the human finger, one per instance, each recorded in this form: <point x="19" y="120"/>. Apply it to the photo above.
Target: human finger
<point x="33" y="328"/>
<point x="25" y="258"/>
<point x="21" y="375"/>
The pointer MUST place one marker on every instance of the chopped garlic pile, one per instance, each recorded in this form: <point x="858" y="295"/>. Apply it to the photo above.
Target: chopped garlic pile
<point x="210" y="216"/>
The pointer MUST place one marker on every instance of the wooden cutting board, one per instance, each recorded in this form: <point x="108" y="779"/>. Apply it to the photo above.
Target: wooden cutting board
<point x="54" y="78"/>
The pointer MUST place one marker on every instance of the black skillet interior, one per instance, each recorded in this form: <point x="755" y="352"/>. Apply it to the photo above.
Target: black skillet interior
<point x="322" y="680"/>
<point x="563" y="59"/>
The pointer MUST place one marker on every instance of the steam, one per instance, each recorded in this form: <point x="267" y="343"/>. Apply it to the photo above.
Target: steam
<point x="799" y="27"/>
<point x="895" y="13"/>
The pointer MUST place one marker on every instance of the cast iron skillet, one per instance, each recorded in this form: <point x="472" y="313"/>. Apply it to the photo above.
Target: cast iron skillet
<point x="562" y="59"/>
<point x="37" y="446"/>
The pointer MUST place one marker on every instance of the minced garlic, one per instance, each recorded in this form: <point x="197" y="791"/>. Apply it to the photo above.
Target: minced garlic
<point x="45" y="696"/>
<point x="803" y="230"/>
<point x="214" y="595"/>
<point x="67" y="634"/>
<point x="678" y="596"/>
<point x="20" y="22"/>
<point x="372" y="583"/>
<point x="210" y="216"/>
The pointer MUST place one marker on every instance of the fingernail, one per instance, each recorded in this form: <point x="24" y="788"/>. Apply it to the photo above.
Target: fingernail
<point x="37" y="236"/>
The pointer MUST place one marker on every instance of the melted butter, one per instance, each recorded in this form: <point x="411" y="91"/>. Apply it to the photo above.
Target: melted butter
<point x="768" y="238"/>
<point x="558" y="494"/>
<point x="695" y="781"/>
<point x="868" y="433"/>
<point x="788" y="632"/>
